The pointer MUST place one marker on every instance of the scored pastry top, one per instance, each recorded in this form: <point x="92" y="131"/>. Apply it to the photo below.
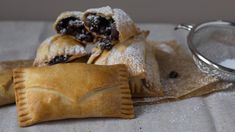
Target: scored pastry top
<point x="73" y="90"/>
<point x="58" y="49"/>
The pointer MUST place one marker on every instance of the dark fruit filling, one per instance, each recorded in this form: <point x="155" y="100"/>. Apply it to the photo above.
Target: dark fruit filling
<point x="103" y="26"/>
<point x="75" y="27"/>
<point x="105" y="44"/>
<point x="99" y="24"/>
<point x="105" y="29"/>
<point x="59" y="59"/>
<point x="173" y="74"/>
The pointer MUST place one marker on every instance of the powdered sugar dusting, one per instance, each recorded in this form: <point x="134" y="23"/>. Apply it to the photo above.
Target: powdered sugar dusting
<point x="133" y="56"/>
<point x="54" y="50"/>
<point x="58" y="45"/>
<point x="63" y="15"/>
<point x="152" y="74"/>
<point x="131" y="53"/>
<point x="125" y="25"/>
<point x="229" y="63"/>
<point x="165" y="48"/>
<point x="104" y="11"/>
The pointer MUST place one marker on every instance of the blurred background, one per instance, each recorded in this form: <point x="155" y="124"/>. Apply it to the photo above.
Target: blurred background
<point x="146" y="11"/>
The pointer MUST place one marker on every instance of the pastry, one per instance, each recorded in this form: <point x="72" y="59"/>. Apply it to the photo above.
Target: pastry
<point x="109" y="25"/>
<point x="7" y="95"/>
<point x="72" y="90"/>
<point x="141" y="63"/>
<point x="60" y="49"/>
<point x="70" y="23"/>
<point x="104" y="26"/>
<point x="6" y="91"/>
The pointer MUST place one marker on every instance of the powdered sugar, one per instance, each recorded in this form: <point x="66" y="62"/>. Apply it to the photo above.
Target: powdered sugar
<point x="58" y="45"/>
<point x="125" y="25"/>
<point x="229" y="63"/>
<point x="131" y="52"/>
<point x="103" y="11"/>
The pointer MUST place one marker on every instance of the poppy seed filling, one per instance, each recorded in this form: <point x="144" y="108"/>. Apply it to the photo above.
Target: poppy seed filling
<point x="104" y="29"/>
<point x="74" y="27"/>
<point x="59" y="59"/>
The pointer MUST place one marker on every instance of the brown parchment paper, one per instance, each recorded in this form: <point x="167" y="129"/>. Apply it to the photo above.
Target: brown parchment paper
<point x="190" y="81"/>
<point x="171" y="57"/>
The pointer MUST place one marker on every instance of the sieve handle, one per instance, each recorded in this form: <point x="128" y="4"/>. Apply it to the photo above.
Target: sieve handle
<point x="187" y="27"/>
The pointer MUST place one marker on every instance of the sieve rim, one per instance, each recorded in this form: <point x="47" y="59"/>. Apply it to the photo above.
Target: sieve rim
<point x="200" y="56"/>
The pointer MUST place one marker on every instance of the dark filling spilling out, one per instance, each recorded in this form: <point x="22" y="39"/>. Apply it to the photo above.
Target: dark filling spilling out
<point x="59" y="59"/>
<point x="75" y="27"/>
<point x="104" y="27"/>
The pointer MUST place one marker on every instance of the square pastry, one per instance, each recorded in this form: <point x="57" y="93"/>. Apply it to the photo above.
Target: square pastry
<point x="72" y="90"/>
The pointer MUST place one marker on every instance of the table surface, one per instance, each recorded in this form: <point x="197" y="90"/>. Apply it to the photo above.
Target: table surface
<point x="213" y="113"/>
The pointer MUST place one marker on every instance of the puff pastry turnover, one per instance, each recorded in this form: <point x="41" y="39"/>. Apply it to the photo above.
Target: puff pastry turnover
<point x="72" y="90"/>
<point x="141" y="63"/>
<point x="104" y="26"/>
<point x="60" y="49"/>
<point x="70" y="23"/>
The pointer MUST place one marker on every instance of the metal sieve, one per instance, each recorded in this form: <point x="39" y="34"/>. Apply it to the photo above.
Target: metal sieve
<point x="212" y="45"/>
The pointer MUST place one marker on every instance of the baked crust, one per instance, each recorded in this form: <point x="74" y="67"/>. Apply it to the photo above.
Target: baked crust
<point x="141" y="63"/>
<point x="67" y="14"/>
<point x="6" y="91"/>
<point x="58" y="45"/>
<point x="124" y="24"/>
<point x="72" y="90"/>
<point x="7" y="95"/>
<point x="118" y="26"/>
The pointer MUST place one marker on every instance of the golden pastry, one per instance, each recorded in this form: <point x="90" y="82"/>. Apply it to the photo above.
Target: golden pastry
<point x="72" y="90"/>
<point x="7" y="95"/>
<point x="104" y="25"/>
<point x="60" y="49"/>
<point x="141" y="63"/>
<point x="6" y="91"/>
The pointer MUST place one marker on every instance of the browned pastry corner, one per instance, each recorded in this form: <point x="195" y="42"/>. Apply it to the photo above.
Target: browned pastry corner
<point x="60" y="49"/>
<point x="72" y="90"/>
<point x="141" y="63"/>
<point x="104" y="26"/>
<point x="7" y="95"/>
<point x="6" y="91"/>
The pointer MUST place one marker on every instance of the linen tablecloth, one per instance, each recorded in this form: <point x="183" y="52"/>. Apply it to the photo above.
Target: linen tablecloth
<point x="213" y="113"/>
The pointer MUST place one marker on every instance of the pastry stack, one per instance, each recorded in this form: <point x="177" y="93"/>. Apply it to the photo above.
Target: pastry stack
<point x="94" y="66"/>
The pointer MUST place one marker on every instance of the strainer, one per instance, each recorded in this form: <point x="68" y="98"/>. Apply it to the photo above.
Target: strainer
<point x="212" y="45"/>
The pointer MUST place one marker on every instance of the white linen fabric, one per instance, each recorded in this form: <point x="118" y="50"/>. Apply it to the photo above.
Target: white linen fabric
<point x="213" y="113"/>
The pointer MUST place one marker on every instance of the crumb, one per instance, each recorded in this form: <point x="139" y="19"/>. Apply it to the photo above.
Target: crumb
<point x="173" y="74"/>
